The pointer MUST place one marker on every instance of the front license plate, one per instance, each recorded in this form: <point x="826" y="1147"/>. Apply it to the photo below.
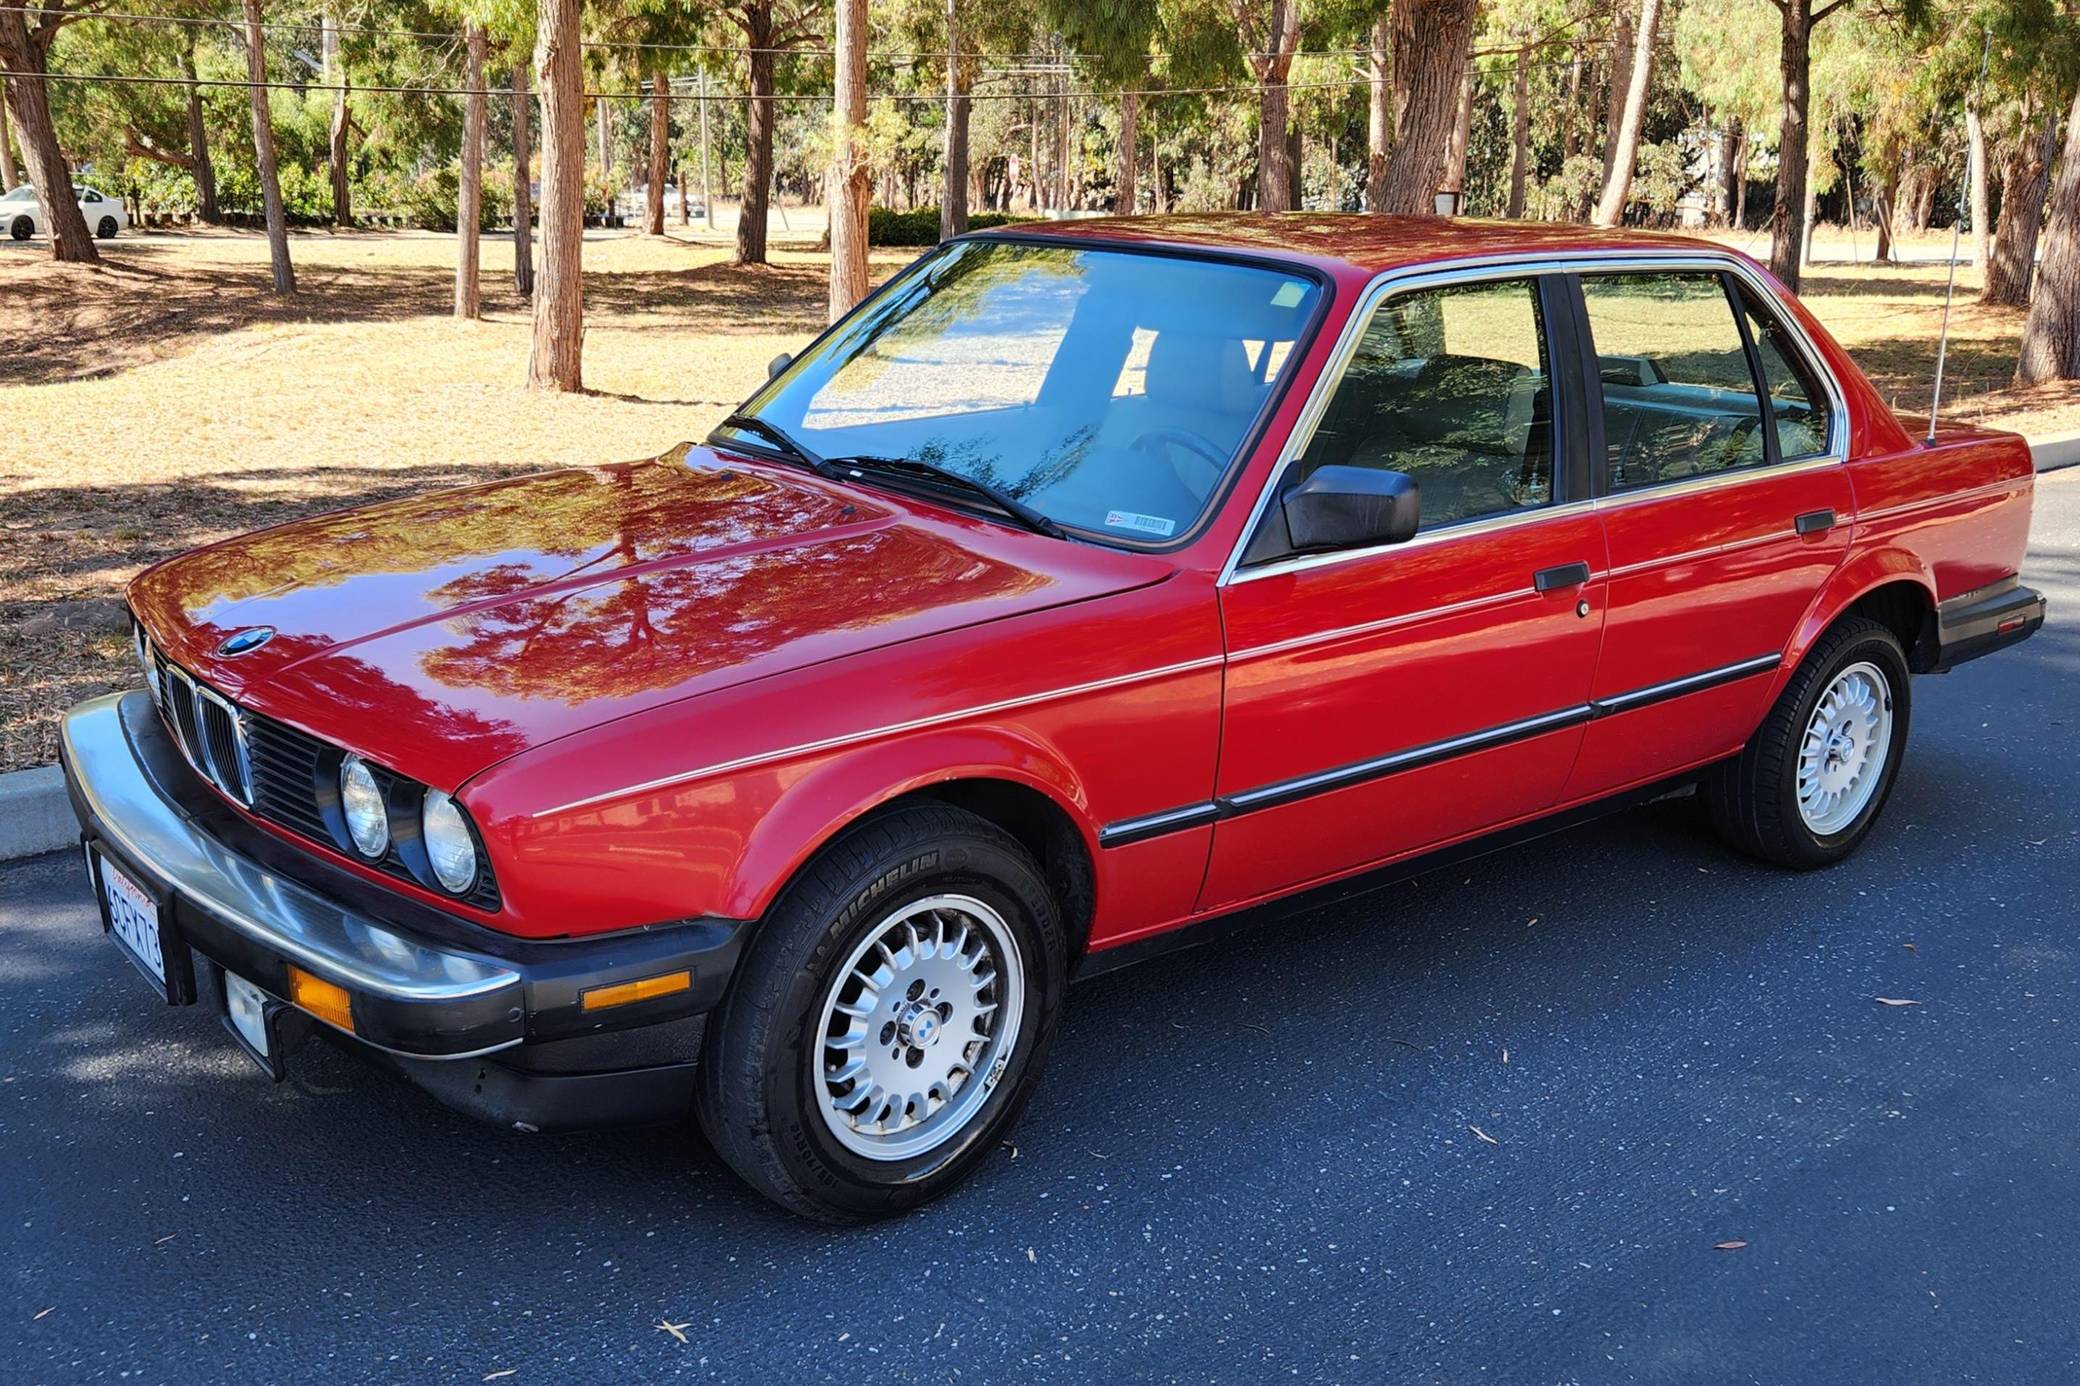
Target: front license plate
<point x="134" y="920"/>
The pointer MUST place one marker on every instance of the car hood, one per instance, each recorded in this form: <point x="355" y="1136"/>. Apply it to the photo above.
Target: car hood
<point x="443" y="633"/>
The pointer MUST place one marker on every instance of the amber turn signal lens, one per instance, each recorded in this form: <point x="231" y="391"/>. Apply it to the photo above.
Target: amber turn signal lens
<point x="321" y="998"/>
<point x="621" y="993"/>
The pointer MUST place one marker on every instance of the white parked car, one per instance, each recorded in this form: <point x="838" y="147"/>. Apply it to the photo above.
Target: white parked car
<point x="22" y="215"/>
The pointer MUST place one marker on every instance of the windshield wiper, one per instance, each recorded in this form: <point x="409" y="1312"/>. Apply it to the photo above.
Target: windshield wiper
<point x="779" y="438"/>
<point x="934" y="473"/>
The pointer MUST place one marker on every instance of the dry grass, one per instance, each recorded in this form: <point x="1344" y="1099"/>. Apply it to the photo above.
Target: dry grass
<point x="168" y="400"/>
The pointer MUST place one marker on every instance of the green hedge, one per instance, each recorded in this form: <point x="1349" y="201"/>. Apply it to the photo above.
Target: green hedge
<point x="920" y="225"/>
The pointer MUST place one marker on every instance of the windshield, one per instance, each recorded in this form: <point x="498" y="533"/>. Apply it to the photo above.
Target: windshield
<point x="1108" y="390"/>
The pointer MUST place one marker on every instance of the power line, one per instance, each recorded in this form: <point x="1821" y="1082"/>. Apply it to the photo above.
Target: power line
<point x="642" y="94"/>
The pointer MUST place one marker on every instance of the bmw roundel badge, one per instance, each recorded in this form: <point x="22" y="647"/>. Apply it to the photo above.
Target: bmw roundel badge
<point x="246" y="641"/>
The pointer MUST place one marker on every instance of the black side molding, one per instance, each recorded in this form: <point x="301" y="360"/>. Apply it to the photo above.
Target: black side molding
<point x="1980" y="622"/>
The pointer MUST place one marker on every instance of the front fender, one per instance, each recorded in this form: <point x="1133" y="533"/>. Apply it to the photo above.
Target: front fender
<point x="831" y="796"/>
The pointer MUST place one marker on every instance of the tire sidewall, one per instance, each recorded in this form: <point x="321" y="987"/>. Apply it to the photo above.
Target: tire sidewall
<point x="1881" y="649"/>
<point x="1002" y="879"/>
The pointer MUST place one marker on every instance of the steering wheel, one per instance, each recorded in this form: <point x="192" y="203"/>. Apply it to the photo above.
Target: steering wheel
<point x="1195" y="445"/>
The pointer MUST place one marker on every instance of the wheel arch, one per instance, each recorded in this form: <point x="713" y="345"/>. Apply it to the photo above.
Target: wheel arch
<point x="1033" y="799"/>
<point x="1889" y="586"/>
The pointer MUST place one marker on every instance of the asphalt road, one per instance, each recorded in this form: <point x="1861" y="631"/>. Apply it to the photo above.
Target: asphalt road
<point x="1253" y="1160"/>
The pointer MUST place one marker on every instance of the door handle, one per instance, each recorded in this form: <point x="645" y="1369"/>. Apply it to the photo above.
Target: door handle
<point x="1814" y="522"/>
<point x="1566" y="575"/>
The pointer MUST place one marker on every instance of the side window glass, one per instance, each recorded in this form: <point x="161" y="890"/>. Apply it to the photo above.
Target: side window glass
<point x="1452" y="386"/>
<point x="1678" y="398"/>
<point x="1800" y="406"/>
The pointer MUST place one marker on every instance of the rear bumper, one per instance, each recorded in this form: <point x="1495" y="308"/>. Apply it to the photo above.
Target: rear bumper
<point x="430" y="990"/>
<point x="1992" y="618"/>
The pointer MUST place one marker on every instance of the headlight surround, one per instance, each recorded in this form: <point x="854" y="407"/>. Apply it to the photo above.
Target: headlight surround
<point x="451" y="849"/>
<point x="361" y="803"/>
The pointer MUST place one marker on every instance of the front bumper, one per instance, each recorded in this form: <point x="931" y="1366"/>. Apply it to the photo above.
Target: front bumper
<point x="437" y="993"/>
<point x="1992" y="618"/>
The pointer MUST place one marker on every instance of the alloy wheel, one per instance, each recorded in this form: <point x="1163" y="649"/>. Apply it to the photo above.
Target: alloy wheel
<point x="1841" y="757"/>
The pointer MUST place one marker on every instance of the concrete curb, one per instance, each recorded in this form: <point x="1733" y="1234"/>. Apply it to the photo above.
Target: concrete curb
<point x="2056" y="452"/>
<point x="36" y="817"/>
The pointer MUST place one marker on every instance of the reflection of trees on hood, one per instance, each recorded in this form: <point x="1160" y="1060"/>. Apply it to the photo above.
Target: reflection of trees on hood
<point x="520" y="532"/>
<point x="665" y="627"/>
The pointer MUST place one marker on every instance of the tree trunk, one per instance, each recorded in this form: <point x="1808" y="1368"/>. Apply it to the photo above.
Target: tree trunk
<point x="1379" y="120"/>
<point x="1519" y="134"/>
<point x="1975" y="135"/>
<point x="1729" y="165"/>
<point x="1740" y="184"/>
<point x="953" y="198"/>
<point x="523" y="177"/>
<point x="28" y="101"/>
<point x="2025" y="178"/>
<point x="1274" y="154"/>
<point x="758" y="137"/>
<point x="707" y="182"/>
<point x="1787" y="221"/>
<point x="201" y="169"/>
<point x="8" y="176"/>
<point x="555" y="358"/>
<point x="1623" y="151"/>
<point x="1619" y="90"/>
<point x="1453" y="180"/>
<point x="1882" y="214"/>
<point x="851" y="179"/>
<point x="1431" y="40"/>
<point x="660" y="152"/>
<point x="1125" y="179"/>
<point x="336" y="73"/>
<point x="469" y="196"/>
<point x="599" y="125"/>
<point x="2051" y="336"/>
<point x="263" y="152"/>
<point x="1570" y="126"/>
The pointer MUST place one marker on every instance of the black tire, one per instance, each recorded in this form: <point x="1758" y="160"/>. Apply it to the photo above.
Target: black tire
<point x="106" y="230"/>
<point x="757" y="1092"/>
<point x="1752" y="800"/>
<point x="21" y="228"/>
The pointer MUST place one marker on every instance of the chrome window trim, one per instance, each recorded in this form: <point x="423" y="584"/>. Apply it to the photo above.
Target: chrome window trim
<point x="1405" y="278"/>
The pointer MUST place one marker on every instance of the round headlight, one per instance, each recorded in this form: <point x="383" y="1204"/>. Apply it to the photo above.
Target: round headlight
<point x="450" y="849"/>
<point x="361" y="800"/>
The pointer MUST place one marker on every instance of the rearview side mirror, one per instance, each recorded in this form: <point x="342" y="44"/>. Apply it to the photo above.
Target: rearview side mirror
<point x="1352" y="508"/>
<point x="779" y="363"/>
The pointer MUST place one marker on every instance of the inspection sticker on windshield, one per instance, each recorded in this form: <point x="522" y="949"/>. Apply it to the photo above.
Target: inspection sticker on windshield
<point x="1147" y="524"/>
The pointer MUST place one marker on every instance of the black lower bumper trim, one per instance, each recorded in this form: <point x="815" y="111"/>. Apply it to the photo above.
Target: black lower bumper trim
<point x="1978" y="623"/>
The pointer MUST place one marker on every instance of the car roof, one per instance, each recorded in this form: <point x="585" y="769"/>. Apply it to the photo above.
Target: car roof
<point x="1357" y="241"/>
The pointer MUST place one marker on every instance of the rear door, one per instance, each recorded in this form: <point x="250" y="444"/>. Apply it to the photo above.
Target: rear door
<point x="1385" y="700"/>
<point x="1725" y="505"/>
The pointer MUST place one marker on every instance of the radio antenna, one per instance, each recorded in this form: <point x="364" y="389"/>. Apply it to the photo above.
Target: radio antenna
<point x="1964" y="189"/>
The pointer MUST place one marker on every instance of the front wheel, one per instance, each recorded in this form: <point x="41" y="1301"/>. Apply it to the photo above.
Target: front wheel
<point x="21" y="228"/>
<point x="889" y="1020"/>
<point x="1814" y="777"/>
<point x="106" y="230"/>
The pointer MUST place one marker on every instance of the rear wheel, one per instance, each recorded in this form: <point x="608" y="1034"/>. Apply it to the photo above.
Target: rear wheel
<point x="21" y="228"/>
<point x="1814" y="777"/>
<point x="107" y="229"/>
<point x="889" y="1020"/>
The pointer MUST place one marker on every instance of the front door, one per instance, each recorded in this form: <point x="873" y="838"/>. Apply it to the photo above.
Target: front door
<point x="1390" y="699"/>
<point x="1726" y="509"/>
